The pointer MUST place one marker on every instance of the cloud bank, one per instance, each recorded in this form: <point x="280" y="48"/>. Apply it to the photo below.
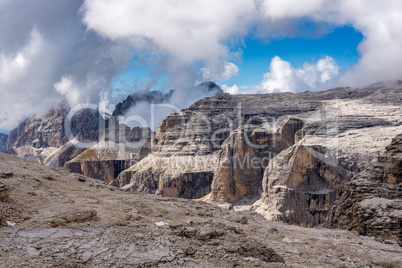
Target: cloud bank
<point x="75" y="49"/>
<point x="283" y="77"/>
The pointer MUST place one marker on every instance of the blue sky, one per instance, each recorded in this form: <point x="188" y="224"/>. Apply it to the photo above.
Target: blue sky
<point x="255" y="57"/>
<point x="77" y="50"/>
<point x="341" y="44"/>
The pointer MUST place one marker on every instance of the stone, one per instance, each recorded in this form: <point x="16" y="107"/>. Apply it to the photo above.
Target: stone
<point x="4" y="192"/>
<point x="38" y="137"/>
<point x="117" y="152"/>
<point x="244" y="156"/>
<point x="372" y="201"/>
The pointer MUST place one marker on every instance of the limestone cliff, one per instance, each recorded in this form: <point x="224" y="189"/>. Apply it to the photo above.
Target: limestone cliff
<point x="301" y="183"/>
<point x="244" y="156"/>
<point x="39" y="137"/>
<point x="372" y="202"/>
<point x="316" y="142"/>
<point x="120" y="149"/>
<point x="174" y="176"/>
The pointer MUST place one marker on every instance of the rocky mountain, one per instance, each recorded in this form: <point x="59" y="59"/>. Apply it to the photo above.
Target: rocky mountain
<point x="286" y="156"/>
<point x="372" y="201"/>
<point x="118" y="150"/>
<point x="3" y="141"/>
<point x="50" y="217"/>
<point x="97" y="147"/>
<point x="160" y="97"/>
<point x="39" y="137"/>
<point x="146" y="96"/>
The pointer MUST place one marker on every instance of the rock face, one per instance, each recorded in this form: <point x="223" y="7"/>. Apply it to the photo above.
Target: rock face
<point x="372" y="202"/>
<point x="39" y="137"/>
<point x="300" y="185"/>
<point x="314" y="144"/>
<point x="160" y="97"/>
<point x="3" y="141"/>
<point x="245" y="155"/>
<point x="122" y="147"/>
<point x="179" y="176"/>
<point x="149" y="96"/>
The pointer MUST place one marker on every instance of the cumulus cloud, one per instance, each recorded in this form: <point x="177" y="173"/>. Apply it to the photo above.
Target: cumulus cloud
<point x="43" y="44"/>
<point x="90" y="42"/>
<point x="234" y="89"/>
<point x="225" y="71"/>
<point x="379" y="22"/>
<point x="69" y="89"/>
<point x="189" y="31"/>
<point x="282" y="77"/>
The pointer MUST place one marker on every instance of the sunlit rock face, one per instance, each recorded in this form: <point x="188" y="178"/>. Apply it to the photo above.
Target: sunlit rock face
<point x="372" y="202"/>
<point x="243" y="157"/>
<point x="174" y="176"/>
<point x="301" y="184"/>
<point x="304" y="148"/>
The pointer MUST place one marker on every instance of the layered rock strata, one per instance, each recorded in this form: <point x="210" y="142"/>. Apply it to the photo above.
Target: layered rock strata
<point x="180" y="176"/>
<point x="335" y="134"/>
<point x="39" y="137"/>
<point x="372" y="202"/>
<point x="120" y="149"/>
<point x="244" y="156"/>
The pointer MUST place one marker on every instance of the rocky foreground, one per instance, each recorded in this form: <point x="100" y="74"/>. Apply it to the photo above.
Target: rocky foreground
<point x="54" y="218"/>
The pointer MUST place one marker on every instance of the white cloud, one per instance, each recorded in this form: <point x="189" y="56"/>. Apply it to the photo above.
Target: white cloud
<point x="224" y="71"/>
<point x="14" y="67"/>
<point x="282" y="77"/>
<point x="189" y="31"/>
<point x="192" y="31"/>
<point x="230" y="89"/>
<point x="40" y="46"/>
<point x="290" y="8"/>
<point x="69" y="89"/>
<point x="379" y="21"/>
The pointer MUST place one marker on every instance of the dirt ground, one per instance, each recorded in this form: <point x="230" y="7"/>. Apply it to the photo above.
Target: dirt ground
<point x="61" y="219"/>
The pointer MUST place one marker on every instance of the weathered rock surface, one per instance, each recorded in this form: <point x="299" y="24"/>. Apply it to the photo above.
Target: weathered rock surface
<point x="372" y="202"/>
<point x="3" y="141"/>
<point x="179" y="176"/>
<point x="4" y="192"/>
<point x="244" y="156"/>
<point x="331" y="136"/>
<point x="39" y="137"/>
<point x="301" y="184"/>
<point x="104" y="227"/>
<point x="122" y="147"/>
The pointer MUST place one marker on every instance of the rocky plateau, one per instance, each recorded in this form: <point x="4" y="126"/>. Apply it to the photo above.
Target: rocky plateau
<point x="305" y="159"/>
<point x="54" y="218"/>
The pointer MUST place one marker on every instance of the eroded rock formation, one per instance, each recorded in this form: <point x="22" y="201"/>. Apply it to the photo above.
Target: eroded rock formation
<point x="317" y="142"/>
<point x="39" y="137"/>
<point x="301" y="184"/>
<point x="245" y="155"/>
<point x="372" y="202"/>
<point x="120" y="149"/>
<point x="174" y="176"/>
